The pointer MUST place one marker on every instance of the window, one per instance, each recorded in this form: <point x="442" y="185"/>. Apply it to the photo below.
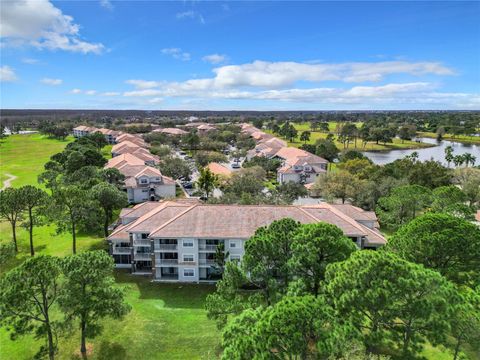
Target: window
<point x="188" y="272"/>
<point x="144" y="236"/>
<point x="143" y="181"/>
<point x="234" y="257"/>
<point x="188" y="258"/>
<point x="234" y="244"/>
<point x="145" y="191"/>
<point x="187" y="243"/>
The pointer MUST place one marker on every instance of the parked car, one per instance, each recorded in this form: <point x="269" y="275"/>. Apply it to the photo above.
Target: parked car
<point x="236" y="166"/>
<point x="187" y="184"/>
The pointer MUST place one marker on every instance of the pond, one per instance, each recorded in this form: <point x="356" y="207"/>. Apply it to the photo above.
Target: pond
<point x="436" y="152"/>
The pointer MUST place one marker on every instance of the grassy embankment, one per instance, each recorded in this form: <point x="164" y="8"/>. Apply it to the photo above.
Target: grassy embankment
<point x="458" y="138"/>
<point x="371" y="146"/>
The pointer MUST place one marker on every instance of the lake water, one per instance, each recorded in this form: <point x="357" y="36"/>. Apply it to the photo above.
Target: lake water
<point x="436" y="152"/>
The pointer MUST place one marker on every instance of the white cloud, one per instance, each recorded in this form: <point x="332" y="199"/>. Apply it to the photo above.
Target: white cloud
<point x="143" y="84"/>
<point x="281" y="74"/>
<point x="145" y="92"/>
<point x="7" y="74"/>
<point x="106" y="4"/>
<point x="215" y="58"/>
<point x="30" y="61"/>
<point x="296" y="84"/>
<point x="76" y="91"/>
<point x="191" y="15"/>
<point x="177" y="53"/>
<point x="110" y="93"/>
<point x="51" y="82"/>
<point x="39" y="23"/>
<point x="91" y="92"/>
<point x="156" y="100"/>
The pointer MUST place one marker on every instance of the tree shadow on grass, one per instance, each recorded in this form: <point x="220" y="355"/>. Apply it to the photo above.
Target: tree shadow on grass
<point x="173" y="295"/>
<point x="110" y="351"/>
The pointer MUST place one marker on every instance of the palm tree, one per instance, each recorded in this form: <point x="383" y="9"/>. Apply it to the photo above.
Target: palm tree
<point x="449" y="155"/>
<point x="469" y="159"/>
<point x="458" y="160"/>
<point x="305" y="136"/>
<point x="207" y="181"/>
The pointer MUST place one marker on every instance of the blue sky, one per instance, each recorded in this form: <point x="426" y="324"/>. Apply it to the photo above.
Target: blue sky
<point x="240" y="55"/>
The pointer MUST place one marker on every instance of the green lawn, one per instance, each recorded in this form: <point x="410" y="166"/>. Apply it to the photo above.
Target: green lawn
<point x="371" y="146"/>
<point x="167" y="321"/>
<point x="458" y="138"/>
<point x="24" y="156"/>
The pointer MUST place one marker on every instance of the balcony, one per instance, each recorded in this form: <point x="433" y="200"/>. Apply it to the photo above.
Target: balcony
<point x="121" y="250"/>
<point x="142" y="256"/>
<point x="207" y="247"/>
<point x="207" y="262"/>
<point x="167" y="247"/>
<point x="166" y="262"/>
<point x="142" y="243"/>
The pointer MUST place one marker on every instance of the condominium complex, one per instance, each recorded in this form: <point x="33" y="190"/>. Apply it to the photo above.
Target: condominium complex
<point x="298" y="166"/>
<point x="177" y="240"/>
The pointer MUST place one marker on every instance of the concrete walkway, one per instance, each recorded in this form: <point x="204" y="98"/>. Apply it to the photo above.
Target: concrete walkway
<point x="7" y="183"/>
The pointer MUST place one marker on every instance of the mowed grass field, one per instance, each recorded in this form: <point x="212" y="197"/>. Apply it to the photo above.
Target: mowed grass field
<point x="371" y="146"/>
<point x="167" y="321"/>
<point x="24" y="156"/>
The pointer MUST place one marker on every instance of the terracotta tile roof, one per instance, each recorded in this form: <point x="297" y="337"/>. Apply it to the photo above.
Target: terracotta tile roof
<point x="293" y="155"/>
<point x="124" y="144"/>
<point x="171" y="131"/>
<point x="140" y="209"/>
<point x="219" y="169"/>
<point x="124" y="159"/>
<point x="206" y="127"/>
<point x="355" y="212"/>
<point x="164" y="211"/>
<point x="148" y="171"/>
<point x="120" y="233"/>
<point x="175" y="219"/>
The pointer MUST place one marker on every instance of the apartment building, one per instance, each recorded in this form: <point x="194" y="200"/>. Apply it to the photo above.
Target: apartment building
<point x="177" y="240"/>
<point x="110" y="135"/>
<point x="299" y="166"/>
<point x="142" y="181"/>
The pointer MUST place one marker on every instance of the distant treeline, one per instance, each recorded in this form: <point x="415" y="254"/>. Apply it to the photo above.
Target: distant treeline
<point x="423" y="120"/>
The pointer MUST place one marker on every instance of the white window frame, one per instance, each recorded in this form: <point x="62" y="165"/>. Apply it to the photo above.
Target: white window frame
<point x="189" y="269"/>
<point x="236" y="246"/>
<point x="192" y="255"/>
<point x="144" y="181"/>
<point x="190" y="241"/>
<point x="235" y="258"/>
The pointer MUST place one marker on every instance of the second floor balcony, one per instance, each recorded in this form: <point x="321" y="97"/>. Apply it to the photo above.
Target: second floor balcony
<point x="167" y="247"/>
<point x="142" y="256"/>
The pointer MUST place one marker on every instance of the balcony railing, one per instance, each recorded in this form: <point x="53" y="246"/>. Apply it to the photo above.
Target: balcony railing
<point x="142" y="242"/>
<point x="208" y="247"/>
<point x="166" y="262"/>
<point x="206" y="261"/>
<point x="142" y="256"/>
<point x="122" y="250"/>
<point x="167" y="247"/>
